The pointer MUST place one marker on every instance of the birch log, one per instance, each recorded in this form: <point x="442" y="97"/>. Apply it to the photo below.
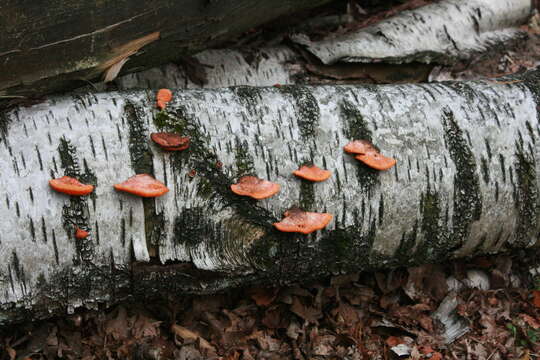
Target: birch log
<point x="53" y="45"/>
<point x="466" y="183"/>
<point x="443" y="32"/>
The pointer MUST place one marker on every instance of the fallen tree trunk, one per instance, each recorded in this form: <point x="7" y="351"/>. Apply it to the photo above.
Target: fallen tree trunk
<point x="56" y="45"/>
<point x="466" y="183"/>
<point x="444" y="32"/>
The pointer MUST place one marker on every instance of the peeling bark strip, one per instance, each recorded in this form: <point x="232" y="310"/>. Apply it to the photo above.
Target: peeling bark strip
<point x="441" y="32"/>
<point x="77" y="41"/>
<point x="200" y="237"/>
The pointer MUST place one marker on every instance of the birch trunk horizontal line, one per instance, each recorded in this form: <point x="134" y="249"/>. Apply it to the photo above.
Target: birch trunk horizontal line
<point x="443" y="32"/>
<point x="466" y="183"/>
<point x="51" y="46"/>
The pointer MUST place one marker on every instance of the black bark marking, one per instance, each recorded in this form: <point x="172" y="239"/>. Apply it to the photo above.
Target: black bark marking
<point x="17" y="209"/>
<point x="467" y="194"/>
<point x="31" y="194"/>
<point x="23" y="160"/>
<point x="92" y="147"/>
<point x="485" y="169"/>
<point x="39" y="159"/>
<point x="32" y="229"/>
<point x="503" y="168"/>
<point x="96" y="231"/>
<point x="55" y="247"/>
<point x="104" y="145"/>
<point x="44" y="230"/>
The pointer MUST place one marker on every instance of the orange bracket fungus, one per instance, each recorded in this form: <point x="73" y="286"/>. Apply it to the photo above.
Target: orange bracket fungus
<point x="312" y="173"/>
<point x="369" y="155"/>
<point x="376" y="161"/>
<point x="297" y="220"/>
<point x="254" y="187"/>
<point x="81" y="234"/>
<point x="70" y="186"/>
<point x="360" y="147"/>
<point x="163" y="97"/>
<point x="142" y="185"/>
<point x="170" y="141"/>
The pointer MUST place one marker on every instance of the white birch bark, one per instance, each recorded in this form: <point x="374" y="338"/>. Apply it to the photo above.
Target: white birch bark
<point x="441" y="32"/>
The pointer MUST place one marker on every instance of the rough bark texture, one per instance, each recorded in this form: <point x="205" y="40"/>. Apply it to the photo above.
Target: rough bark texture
<point x="442" y="32"/>
<point x="220" y="68"/>
<point x="466" y="183"/>
<point x="56" y="45"/>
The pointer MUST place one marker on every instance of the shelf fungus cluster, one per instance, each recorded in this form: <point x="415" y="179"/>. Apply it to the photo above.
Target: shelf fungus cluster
<point x="369" y="155"/>
<point x="296" y="219"/>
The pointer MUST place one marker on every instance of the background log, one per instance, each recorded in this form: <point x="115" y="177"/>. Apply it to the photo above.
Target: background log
<point x="56" y="45"/>
<point x="466" y="183"/>
<point x="443" y="32"/>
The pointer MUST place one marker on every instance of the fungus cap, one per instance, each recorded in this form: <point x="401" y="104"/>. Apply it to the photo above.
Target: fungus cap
<point x="360" y="147"/>
<point x="376" y="161"/>
<point x="254" y="187"/>
<point x="163" y="96"/>
<point x="170" y="141"/>
<point x="297" y="220"/>
<point x="312" y="173"/>
<point x="81" y="234"/>
<point x="70" y="186"/>
<point x="142" y="185"/>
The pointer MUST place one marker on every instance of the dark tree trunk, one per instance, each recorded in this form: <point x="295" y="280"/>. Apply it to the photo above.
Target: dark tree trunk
<point x="55" y="45"/>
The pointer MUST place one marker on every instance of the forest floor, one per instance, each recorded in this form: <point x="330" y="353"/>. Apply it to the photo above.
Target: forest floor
<point x="482" y="308"/>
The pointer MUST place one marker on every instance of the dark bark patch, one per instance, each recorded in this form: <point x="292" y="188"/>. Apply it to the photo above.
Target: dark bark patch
<point x="467" y="194"/>
<point x="75" y="213"/>
<point x="306" y="109"/>
<point x="526" y="197"/>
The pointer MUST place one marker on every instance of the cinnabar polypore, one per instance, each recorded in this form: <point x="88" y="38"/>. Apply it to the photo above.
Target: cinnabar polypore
<point x="170" y="141"/>
<point x="300" y="221"/>
<point x="70" y="186"/>
<point x="376" y="161"/>
<point x="312" y="173"/>
<point x="142" y="185"/>
<point x="163" y="97"/>
<point x="369" y="155"/>
<point x="360" y="147"/>
<point x="254" y="187"/>
<point x="81" y="234"/>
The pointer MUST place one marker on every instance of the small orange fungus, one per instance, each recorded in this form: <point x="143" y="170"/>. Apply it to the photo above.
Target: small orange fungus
<point x="70" y="186"/>
<point x="170" y="141"/>
<point x="163" y="97"/>
<point x="376" y="161"/>
<point x="142" y="185"/>
<point x="360" y="147"/>
<point x="312" y="173"/>
<point x="81" y="234"/>
<point x="254" y="187"/>
<point x="300" y="221"/>
<point x="369" y="155"/>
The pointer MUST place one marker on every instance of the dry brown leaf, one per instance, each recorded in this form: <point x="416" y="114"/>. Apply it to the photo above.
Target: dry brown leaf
<point x="118" y="327"/>
<point x="307" y="313"/>
<point x="263" y="296"/>
<point x="532" y="322"/>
